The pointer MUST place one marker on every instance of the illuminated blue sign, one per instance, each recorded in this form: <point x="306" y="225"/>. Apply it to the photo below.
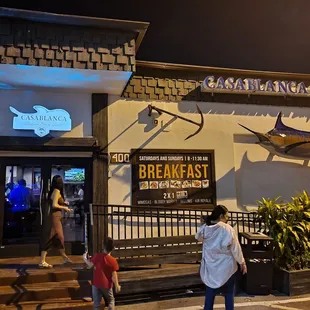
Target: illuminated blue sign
<point x="43" y="121"/>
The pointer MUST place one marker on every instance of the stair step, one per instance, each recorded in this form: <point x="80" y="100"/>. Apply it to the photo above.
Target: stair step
<point x="33" y="261"/>
<point x="44" y="291"/>
<point x="59" y="303"/>
<point x="19" y="277"/>
<point x="28" y="276"/>
<point x="131" y="282"/>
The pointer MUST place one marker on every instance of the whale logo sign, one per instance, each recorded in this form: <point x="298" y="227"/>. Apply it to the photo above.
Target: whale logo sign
<point x="43" y="121"/>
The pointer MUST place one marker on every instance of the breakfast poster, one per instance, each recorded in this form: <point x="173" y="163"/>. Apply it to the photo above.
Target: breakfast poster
<point x="173" y="177"/>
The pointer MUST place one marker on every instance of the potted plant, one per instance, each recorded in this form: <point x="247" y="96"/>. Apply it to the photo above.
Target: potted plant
<point x="288" y="223"/>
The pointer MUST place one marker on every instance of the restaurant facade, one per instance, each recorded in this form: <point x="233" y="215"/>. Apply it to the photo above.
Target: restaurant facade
<point x="76" y="102"/>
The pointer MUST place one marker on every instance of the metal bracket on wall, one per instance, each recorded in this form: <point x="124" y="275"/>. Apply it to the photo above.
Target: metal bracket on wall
<point x="100" y="152"/>
<point x="161" y="111"/>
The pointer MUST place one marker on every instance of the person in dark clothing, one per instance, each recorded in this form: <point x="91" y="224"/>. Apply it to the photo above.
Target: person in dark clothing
<point x="20" y="197"/>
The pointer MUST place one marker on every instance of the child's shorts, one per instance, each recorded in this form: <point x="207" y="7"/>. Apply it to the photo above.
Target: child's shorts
<point x="106" y="294"/>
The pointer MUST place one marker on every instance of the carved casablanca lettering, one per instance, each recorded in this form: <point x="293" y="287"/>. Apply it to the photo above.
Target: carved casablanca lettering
<point x="43" y="118"/>
<point x="248" y="85"/>
<point x="43" y="121"/>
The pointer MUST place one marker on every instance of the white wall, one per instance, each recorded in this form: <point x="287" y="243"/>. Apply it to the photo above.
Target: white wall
<point x="77" y="104"/>
<point x="244" y="173"/>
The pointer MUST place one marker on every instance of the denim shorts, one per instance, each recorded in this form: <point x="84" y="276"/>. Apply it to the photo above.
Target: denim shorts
<point x="106" y="294"/>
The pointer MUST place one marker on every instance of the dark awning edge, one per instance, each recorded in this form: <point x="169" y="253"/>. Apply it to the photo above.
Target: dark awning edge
<point x="33" y="144"/>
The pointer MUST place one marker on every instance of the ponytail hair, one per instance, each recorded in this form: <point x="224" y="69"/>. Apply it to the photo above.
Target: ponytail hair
<point x="216" y="214"/>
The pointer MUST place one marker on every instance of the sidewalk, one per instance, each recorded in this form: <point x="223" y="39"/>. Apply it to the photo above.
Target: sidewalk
<point x="242" y="303"/>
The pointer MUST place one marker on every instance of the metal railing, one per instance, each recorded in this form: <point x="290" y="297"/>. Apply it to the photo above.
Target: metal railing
<point x="130" y="222"/>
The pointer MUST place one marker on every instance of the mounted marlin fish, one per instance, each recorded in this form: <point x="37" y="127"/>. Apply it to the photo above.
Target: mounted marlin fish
<point x="285" y="141"/>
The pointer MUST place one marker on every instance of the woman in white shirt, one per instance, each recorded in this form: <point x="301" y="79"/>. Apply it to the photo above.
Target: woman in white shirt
<point x="220" y="255"/>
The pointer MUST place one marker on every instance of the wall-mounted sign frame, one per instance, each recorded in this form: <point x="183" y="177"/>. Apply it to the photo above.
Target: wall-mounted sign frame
<point x="173" y="177"/>
<point x="253" y="86"/>
<point x="43" y="121"/>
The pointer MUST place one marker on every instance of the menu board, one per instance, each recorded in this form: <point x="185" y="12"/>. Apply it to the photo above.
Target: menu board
<point x="173" y="177"/>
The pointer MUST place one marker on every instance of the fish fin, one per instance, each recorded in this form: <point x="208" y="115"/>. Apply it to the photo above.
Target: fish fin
<point x="13" y="110"/>
<point x="39" y="108"/>
<point x="292" y="146"/>
<point x="279" y="124"/>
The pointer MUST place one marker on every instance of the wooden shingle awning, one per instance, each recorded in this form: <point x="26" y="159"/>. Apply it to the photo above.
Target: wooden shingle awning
<point x="137" y="27"/>
<point x="87" y="144"/>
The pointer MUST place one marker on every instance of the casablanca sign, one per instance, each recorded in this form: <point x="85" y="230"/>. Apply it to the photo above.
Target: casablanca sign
<point x="254" y="86"/>
<point x="43" y="121"/>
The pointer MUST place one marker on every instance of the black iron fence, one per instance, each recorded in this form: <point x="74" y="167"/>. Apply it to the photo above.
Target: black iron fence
<point x="130" y="222"/>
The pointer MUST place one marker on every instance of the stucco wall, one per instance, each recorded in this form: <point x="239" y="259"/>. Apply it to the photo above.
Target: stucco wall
<point x="78" y="106"/>
<point x="244" y="171"/>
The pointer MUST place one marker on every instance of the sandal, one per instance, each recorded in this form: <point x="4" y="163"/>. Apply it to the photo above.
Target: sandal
<point x="45" y="265"/>
<point x="67" y="260"/>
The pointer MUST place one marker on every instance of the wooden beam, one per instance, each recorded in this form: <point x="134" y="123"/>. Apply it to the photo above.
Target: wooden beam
<point x="100" y="165"/>
<point x="154" y="241"/>
<point x="158" y="251"/>
<point x="162" y="259"/>
<point x="2" y="201"/>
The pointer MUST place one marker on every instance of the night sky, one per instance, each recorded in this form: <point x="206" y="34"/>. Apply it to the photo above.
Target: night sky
<point x="269" y="35"/>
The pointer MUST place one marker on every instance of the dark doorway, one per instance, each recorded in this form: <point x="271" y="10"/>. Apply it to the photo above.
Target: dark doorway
<point x="24" y="184"/>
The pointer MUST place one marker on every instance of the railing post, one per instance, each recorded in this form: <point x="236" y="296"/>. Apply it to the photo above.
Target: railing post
<point x="86" y="232"/>
<point x="158" y="223"/>
<point x="106" y="222"/>
<point x="91" y="231"/>
<point x="91" y="214"/>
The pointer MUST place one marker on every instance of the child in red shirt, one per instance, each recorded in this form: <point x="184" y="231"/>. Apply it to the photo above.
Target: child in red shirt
<point x="105" y="274"/>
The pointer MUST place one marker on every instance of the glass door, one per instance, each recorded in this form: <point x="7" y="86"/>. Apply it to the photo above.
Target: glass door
<point x="24" y="186"/>
<point x="23" y="194"/>
<point x="74" y="191"/>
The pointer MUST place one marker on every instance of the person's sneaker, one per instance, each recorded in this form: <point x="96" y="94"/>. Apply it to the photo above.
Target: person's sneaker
<point x="45" y="265"/>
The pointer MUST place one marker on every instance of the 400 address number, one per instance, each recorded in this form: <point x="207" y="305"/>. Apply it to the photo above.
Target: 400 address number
<point x="119" y="158"/>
